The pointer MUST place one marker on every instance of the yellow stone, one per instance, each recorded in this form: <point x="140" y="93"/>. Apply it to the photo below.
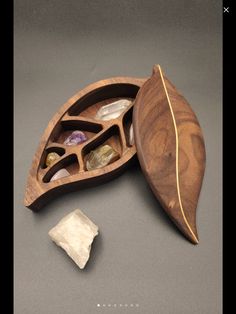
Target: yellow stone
<point x="51" y="158"/>
<point x="101" y="156"/>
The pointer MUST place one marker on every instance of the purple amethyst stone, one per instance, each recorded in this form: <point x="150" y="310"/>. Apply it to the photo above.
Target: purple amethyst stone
<point x="76" y="137"/>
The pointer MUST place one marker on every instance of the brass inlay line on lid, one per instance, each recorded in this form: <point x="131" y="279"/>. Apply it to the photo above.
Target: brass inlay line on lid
<point x="177" y="156"/>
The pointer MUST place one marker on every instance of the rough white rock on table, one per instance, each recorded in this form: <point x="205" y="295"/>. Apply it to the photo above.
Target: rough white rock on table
<point x="75" y="233"/>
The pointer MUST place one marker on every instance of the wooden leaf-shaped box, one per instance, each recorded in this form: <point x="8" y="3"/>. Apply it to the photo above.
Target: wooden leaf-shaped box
<point x="168" y="140"/>
<point x="78" y="114"/>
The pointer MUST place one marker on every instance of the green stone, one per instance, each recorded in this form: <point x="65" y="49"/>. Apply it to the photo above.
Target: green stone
<point x="51" y="158"/>
<point x="101" y="156"/>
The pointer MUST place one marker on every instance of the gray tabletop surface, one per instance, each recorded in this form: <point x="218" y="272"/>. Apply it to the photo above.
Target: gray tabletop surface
<point x="139" y="263"/>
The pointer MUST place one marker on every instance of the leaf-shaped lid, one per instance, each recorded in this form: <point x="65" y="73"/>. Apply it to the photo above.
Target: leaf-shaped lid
<point x="171" y="150"/>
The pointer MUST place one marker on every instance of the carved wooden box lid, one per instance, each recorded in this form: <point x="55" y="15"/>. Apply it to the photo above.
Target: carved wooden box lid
<point x="170" y="149"/>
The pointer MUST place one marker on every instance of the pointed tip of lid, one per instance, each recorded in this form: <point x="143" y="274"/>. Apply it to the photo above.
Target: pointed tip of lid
<point x="189" y="231"/>
<point x="192" y="231"/>
<point x="193" y="237"/>
<point x="156" y="68"/>
<point x="195" y="240"/>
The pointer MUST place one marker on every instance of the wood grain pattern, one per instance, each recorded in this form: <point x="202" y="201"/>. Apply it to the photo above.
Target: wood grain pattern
<point x="78" y="113"/>
<point x="171" y="150"/>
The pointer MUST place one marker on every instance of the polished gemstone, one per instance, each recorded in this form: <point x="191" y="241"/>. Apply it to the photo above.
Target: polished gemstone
<point x="60" y="174"/>
<point x="113" y="110"/>
<point x="131" y="135"/>
<point x="51" y="158"/>
<point x="75" y="138"/>
<point x="75" y="233"/>
<point x="101" y="157"/>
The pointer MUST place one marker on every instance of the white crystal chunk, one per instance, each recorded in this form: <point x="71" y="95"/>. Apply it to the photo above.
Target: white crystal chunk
<point x="131" y="135"/>
<point x="75" y="233"/>
<point x="113" y="110"/>
<point x="60" y="174"/>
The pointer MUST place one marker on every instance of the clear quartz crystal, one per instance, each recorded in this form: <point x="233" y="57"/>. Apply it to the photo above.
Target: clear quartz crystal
<point x="75" y="233"/>
<point x="100" y="157"/>
<point x="113" y="110"/>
